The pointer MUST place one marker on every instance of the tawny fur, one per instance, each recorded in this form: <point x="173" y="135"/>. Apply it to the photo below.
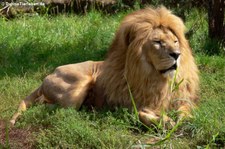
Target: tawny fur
<point x="140" y="50"/>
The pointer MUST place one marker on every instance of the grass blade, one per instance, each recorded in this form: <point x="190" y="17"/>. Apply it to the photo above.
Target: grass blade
<point x="132" y="100"/>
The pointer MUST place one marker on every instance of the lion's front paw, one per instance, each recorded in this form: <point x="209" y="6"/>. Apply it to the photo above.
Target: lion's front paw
<point x="150" y="118"/>
<point x="168" y="122"/>
<point x="184" y="113"/>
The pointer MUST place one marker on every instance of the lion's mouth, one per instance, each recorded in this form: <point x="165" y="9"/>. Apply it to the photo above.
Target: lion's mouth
<point x="174" y="67"/>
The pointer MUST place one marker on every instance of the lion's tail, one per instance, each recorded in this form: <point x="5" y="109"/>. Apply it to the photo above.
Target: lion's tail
<point x="26" y="103"/>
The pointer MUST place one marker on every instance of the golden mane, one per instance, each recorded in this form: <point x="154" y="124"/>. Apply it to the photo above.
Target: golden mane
<point x="148" y="88"/>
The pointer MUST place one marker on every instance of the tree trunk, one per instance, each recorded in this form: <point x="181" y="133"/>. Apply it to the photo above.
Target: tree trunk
<point x="216" y="20"/>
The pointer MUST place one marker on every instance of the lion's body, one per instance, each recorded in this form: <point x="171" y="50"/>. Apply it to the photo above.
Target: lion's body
<point x="148" y="48"/>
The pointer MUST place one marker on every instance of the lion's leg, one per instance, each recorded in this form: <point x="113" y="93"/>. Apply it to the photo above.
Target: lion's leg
<point x="184" y="111"/>
<point x="149" y="117"/>
<point x="26" y="103"/>
<point x="77" y="94"/>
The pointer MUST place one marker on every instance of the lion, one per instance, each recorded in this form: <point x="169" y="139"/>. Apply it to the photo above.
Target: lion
<point x="149" y="50"/>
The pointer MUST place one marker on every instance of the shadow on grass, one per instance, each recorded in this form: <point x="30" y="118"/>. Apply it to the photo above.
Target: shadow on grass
<point x="34" y="56"/>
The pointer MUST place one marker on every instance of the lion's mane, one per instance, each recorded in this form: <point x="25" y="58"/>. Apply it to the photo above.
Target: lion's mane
<point x="123" y="65"/>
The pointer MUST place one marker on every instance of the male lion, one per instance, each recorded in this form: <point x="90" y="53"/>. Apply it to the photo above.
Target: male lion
<point x="148" y="51"/>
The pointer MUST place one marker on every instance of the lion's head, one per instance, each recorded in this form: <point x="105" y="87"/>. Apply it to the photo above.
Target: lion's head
<point x="162" y="51"/>
<point x="148" y="48"/>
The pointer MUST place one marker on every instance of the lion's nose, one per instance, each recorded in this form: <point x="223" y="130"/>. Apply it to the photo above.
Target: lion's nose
<point x="175" y="55"/>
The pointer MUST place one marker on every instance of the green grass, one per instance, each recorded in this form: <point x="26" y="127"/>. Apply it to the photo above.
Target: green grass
<point x="30" y="48"/>
<point x="79" y="129"/>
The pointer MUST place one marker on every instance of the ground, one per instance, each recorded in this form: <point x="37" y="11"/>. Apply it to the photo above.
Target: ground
<point x="19" y="137"/>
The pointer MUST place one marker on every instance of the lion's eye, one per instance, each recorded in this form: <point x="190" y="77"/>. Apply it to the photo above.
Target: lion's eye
<point x="176" y="41"/>
<point x="157" y="44"/>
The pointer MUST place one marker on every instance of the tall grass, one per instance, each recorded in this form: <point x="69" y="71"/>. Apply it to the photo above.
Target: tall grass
<point x="30" y="48"/>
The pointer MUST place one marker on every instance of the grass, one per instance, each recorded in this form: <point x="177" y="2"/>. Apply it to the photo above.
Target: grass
<point x="79" y="129"/>
<point x="30" y="48"/>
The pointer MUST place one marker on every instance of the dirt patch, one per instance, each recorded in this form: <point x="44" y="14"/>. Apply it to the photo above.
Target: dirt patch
<point x="16" y="137"/>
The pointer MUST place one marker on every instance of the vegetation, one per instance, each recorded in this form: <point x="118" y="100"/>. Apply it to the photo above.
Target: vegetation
<point x="30" y="48"/>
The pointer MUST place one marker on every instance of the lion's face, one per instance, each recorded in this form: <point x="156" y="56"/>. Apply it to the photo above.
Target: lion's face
<point x="162" y="50"/>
